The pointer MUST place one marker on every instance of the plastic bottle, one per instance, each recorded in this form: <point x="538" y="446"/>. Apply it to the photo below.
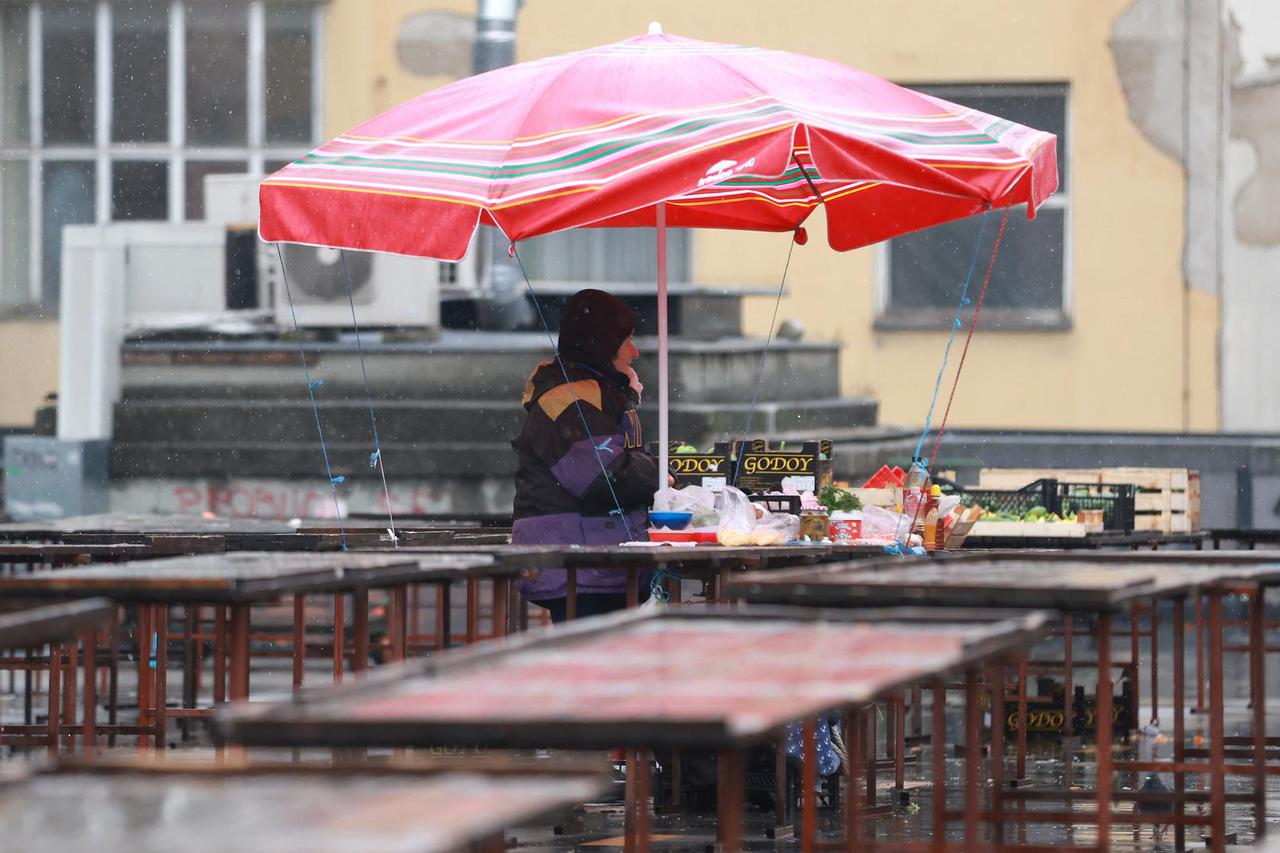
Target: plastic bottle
<point x="915" y="491"/>
<point x="932" y="541"/>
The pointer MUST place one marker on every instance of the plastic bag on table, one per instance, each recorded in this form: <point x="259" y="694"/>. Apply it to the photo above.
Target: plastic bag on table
<point x="694" y="499"/>
<point x="880" y="523"/>
<point x="776" y="528"/>
<point x="737" y="517"/>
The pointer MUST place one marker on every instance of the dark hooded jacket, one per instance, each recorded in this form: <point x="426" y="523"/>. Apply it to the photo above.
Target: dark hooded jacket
<point x="580" y="456"/>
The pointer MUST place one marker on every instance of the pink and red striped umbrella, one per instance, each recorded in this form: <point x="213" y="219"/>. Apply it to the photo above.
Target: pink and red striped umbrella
<point x="725" y="136"/>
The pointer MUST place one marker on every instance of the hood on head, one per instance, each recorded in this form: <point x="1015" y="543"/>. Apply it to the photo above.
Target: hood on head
<point x="593" y="326"/>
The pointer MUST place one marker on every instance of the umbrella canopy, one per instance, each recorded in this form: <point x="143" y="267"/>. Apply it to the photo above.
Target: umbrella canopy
<point x="725" y="136"/>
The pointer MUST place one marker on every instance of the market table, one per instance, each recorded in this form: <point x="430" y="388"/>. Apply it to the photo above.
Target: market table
<point x="1248" y="537"/>
<point x="24" y="625"/>
<point x="1135" y="540"/>
<point x="25" y="556"/>
<point x="205" y="808"/>
<point x="239" y="534"/>
<point x="721" y="679"/>
<point x="29" y="627"/>
<point x="1096" y="585"/>
<point x="710" y="563"/>
<point x="232" y="584"/>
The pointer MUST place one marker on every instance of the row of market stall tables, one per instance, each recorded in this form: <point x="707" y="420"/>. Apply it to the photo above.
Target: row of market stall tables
<point x="620" y="682"/>
<point x="1096" y="584"/>
<point x="231" y="586"/>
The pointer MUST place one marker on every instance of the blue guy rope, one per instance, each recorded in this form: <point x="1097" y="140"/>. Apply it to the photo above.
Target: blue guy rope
<point x="956" y="324"/>
<point x="764" y="358"/>
<point x="375" y="458"/>
<point x="576" y="402"/>
<point x="951" y="339"/>
<point x="315" y="409"/>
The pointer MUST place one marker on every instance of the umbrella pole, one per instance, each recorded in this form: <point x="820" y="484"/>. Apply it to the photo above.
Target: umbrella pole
<point x="663" y="377"/>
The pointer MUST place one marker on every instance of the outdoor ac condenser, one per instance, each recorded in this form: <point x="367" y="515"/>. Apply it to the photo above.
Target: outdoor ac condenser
<point x="387" y="290"/>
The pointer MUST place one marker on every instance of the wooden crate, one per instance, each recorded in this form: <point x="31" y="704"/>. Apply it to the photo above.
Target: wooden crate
<point x="885" y="498"/>
<point x="1165" y="500"/>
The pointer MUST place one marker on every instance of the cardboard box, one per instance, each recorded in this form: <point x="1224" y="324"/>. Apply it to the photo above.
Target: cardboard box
<point x="708" y="470"/>
<point x="762" y="466"/>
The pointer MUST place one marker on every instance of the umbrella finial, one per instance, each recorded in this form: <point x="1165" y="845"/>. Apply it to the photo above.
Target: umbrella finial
<point x="655" y="28"/>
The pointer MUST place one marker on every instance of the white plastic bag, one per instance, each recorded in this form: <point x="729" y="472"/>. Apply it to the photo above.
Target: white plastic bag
<point x="880" y="523"/>
<point x="693" y="499"/>
<point x="737" y="517"/>
<point x="776" y="528"/>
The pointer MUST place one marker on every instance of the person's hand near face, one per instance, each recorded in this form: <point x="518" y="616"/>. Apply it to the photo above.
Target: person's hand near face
<point x="626" y="354"/>
<point x="622" y="359"/>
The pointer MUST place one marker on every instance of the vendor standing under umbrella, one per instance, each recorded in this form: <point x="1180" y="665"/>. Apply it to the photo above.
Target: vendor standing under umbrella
<point x="583" y="476"/>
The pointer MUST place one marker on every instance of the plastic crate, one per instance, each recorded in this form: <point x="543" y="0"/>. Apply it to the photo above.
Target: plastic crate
<point x="1020" y="501"/>
<point x="1116" y="500"/>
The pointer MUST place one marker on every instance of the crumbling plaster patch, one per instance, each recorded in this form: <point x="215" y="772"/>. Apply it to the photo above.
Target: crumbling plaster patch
<point x="1165" y="53"/>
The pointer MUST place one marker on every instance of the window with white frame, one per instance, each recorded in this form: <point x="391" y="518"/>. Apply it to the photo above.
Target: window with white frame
<point x="114" y="110"/>
<point x="606" y="256"/>
<point x="923" y="272"/>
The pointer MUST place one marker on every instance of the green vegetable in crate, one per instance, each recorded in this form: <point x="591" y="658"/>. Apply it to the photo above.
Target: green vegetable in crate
<point x="686" y="448"/>
<point x="836" y="499"/>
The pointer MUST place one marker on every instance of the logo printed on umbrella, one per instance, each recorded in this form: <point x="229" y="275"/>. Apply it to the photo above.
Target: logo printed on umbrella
<point x="724" y="169"/>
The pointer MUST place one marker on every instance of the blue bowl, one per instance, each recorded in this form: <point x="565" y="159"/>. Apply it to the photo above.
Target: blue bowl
<point x="671" y="520"/>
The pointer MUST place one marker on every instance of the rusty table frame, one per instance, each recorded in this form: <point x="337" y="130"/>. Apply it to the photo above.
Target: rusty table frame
<point x="231" y="585"/>
<point x="1181" y="578"/>
<point x="296" y="724"/>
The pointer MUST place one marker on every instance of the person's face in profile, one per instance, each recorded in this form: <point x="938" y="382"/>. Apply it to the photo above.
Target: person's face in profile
<point x="626" y="354"/>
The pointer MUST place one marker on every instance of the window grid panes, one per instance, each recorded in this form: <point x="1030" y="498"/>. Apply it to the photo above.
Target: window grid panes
<point x="139" y="190"/>
<point x="288" y="73"/>
<point x="68" y="56"/>
<point x="217" y="73"/>
<point x="1028" y="288"/>
<point x="70" y="170"/>
<point x="606" y="256"/>
<point x="15" y="80"/>
<point x="140" y="67"/>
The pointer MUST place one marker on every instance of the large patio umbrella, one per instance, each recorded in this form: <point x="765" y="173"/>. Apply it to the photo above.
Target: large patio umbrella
<point x="656" y="131"/>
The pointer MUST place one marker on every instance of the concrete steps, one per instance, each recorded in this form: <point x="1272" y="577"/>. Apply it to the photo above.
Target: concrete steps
<point x="463" y="366"/>
<point x="246" y="438"/>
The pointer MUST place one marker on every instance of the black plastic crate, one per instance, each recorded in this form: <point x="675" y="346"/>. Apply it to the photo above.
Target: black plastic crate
<point x="1116" y="500"/>
<point x="1019" y="501"/>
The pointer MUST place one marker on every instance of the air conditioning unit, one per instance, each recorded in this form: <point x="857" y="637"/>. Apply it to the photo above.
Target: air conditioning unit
<point x="388" y="290"/>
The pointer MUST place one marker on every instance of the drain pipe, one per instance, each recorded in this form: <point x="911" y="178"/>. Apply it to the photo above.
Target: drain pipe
<point x="504" y="305"/>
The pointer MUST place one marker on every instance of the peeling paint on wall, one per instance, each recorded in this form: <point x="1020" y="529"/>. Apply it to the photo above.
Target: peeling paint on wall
<point x="1254" y="48"/>
<point x="1255" y="120"/>
<point x="1147" y="46"/>
<point x="437" y="43"/>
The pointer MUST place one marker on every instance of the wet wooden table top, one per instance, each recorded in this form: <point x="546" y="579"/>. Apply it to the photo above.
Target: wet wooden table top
<point x="678" y="677"/>
<point x="22" y="552"/>
<point x="248" y="576"/>
<point x="665" y="556"/>
<point x="27" y="625"/>
<point x="287" y="811"/>
<point x="1071" y="582"/>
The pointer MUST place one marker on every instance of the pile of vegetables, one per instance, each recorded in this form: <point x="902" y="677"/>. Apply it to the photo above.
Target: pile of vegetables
<point x="836" y="499"/>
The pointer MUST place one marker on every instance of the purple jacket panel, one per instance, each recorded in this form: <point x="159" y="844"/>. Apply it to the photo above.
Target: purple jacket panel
<point x="572" y="529"/>
<point x="580" y="467"/>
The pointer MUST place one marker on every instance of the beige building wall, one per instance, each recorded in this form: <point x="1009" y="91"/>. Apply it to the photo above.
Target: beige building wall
<point x="1120" y="365"/>
<point x="28" y="368"/>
